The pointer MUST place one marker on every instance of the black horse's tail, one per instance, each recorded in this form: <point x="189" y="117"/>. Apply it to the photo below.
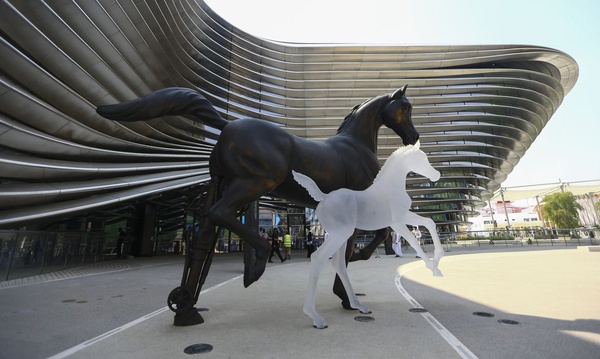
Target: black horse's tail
<point x="169" y="101"/>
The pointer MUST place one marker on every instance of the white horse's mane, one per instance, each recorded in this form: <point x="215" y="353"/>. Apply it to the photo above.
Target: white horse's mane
<point x="402" y="151"/>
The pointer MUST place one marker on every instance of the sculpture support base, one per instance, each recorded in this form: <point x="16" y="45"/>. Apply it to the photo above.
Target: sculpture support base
<point x="188" y="317"/>
<point x="200" y="248"/>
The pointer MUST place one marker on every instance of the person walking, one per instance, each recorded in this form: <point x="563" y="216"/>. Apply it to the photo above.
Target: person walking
<point x="397" y="244"/>
<point x="263" y="234"/>
<point x="311" y="247"/>
<point x="275" y="242"/>
<point x="4" y="255"/>
<point x="417" y="233"/>
<point x="287" y="246"/>
<point x="120" y="241"/>
<point x="325" y="236"/>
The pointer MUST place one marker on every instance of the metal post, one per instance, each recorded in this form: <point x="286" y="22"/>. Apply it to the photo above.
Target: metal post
<point x="537" y="199"/>
<point x="82" y="239"/>
<point x="44" y="253"/>
<point x="12" y="255"/>
<point x="508" y="226"/>
<point x="491" y="212"/>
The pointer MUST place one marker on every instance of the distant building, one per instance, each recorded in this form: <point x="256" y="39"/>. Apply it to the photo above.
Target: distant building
<point x="506" y="214"/>
<point x="521" y="215"/>
<point x="588" y="217"/>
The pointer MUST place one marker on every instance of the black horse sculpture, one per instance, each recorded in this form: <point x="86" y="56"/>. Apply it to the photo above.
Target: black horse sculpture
<point x="253" y="158"/>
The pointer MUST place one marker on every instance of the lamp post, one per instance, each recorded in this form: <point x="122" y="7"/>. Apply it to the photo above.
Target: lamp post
<point x="505" y="213"/>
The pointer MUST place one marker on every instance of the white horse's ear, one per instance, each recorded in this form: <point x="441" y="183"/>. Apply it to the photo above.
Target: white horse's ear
<point x="418" y="145"/>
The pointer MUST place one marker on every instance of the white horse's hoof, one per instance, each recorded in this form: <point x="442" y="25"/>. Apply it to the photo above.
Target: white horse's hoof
<point x="318" y="321"/>
<point x="437" y="273"/>
<point x="363" y="309"/>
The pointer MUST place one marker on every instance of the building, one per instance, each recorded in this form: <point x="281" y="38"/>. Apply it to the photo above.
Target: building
<point x="504" y="214"/>
<point x="520" y="208"/>
<point x="478" y="109"/>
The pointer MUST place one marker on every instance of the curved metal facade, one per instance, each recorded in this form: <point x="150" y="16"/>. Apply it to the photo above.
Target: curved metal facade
<point x="478" y="108"/>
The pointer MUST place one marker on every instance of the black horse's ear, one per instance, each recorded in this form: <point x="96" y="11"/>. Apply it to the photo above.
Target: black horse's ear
<point x="399" y="92"/>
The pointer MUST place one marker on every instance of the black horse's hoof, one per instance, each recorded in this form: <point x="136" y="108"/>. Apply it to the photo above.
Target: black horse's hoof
<point x="188" y="317"/>
<point x="255" y="263"/>
<point x="252" y="273"/>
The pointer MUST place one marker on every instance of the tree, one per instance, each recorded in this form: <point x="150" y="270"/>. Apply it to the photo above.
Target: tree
<point x="561" y="208"/>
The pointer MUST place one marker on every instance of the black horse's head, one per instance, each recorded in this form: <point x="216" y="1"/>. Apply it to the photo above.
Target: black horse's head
<point x="397" y="115"/>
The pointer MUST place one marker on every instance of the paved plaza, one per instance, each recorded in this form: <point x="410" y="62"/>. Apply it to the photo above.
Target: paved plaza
<point x="512" y="302"/>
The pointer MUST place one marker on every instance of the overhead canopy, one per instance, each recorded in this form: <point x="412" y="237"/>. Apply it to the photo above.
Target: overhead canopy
<point x="526" y="192"/>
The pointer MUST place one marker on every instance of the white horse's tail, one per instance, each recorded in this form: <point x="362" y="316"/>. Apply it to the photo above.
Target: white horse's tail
<point x="310" y="185"/>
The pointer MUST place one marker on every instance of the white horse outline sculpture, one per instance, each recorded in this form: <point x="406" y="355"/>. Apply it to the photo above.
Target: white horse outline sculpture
<point x="385" y="203"/>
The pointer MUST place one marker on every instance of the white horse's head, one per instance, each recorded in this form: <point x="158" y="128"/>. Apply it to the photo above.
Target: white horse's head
<point x="407" y="159"/>
<point x="419" y="163"/>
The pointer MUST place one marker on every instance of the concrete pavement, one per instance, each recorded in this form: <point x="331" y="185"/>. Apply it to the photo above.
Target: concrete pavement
<point x="532" y="303"/>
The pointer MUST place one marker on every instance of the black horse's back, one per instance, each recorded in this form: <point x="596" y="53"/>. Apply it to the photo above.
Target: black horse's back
<point x="169" y="101"/>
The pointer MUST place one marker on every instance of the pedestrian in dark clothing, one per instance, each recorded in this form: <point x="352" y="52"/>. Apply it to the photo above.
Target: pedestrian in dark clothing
<point x="120" y="241"/>
<point x="310" y="245"/>
<point x="276" y="241"/>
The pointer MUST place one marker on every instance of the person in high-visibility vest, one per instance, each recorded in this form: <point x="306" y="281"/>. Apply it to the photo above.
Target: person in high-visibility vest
<point x="287" y="246"/>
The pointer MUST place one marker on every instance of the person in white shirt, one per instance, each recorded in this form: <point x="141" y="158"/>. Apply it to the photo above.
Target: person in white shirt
<point x="419" y="237"/>
<point x="397" y="244"/>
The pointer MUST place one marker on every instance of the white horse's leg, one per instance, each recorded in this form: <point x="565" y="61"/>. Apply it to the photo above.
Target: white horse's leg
<point x="339" y="263"/>
<point x="410" y="238"/>
<point x="428" y="223"/>
<point x="317" y="261"/>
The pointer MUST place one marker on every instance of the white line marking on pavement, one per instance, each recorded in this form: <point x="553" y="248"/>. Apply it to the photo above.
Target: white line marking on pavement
<point x="133" y="323"/>
<point x="459" y="347"/>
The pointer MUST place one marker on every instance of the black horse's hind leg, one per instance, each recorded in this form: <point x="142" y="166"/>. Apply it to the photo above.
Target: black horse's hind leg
<point x="355" y="255"/>
<point x="199" y="254"/>
<point x="338" y="286"/>
<point x="368" y="250"/>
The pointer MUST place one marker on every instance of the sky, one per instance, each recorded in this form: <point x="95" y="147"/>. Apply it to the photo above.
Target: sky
<point x="568" y="148"/>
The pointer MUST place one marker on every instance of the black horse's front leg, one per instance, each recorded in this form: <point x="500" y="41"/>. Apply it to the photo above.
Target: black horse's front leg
<point x="355" y="255"/>
<point x="238" y="193"/>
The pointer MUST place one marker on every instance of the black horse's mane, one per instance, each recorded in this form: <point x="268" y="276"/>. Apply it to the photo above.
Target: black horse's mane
<point x="353" y="111"/>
